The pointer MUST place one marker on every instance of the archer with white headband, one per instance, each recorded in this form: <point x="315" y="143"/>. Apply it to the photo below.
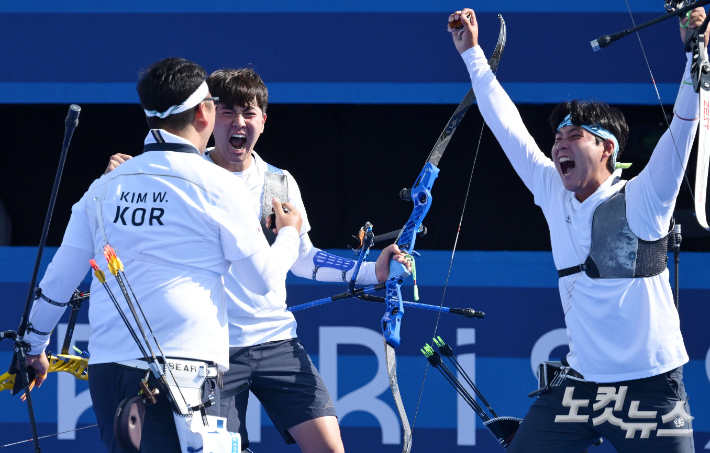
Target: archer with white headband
<point x="178" y="223"/>
<point x="609" y="243"/>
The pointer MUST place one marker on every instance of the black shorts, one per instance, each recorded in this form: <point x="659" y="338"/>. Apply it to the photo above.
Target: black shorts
<point x="281" y="375"/>
<point x="539" y="433"/>
<point x="110" y="383"/>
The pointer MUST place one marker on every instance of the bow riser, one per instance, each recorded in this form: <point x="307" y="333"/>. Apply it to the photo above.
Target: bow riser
<point x="421" y="197"/>
<point x="392" y="319"/>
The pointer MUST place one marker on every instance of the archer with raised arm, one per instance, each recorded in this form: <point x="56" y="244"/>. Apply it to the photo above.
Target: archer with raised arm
<point x="609" y="242"/>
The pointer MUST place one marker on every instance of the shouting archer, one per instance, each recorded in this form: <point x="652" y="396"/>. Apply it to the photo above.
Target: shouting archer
<point x="609" y="242"/>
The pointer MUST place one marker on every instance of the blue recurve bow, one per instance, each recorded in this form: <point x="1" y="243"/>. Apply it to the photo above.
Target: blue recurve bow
<point x="420" y="195"/>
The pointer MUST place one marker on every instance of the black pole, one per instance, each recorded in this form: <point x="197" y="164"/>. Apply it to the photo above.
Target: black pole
<point x="70" y="123"/>
<point x="606" y="40"/>
<point x="21" y="349"/>
<point x="20" y="354"/>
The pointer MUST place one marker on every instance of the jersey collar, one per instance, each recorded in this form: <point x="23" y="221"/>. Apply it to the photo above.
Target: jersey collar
<point x="161" y="140"/>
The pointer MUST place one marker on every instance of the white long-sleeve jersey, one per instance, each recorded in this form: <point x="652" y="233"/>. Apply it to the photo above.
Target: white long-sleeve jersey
<point x="258" y="318"/>
<point x="618" y="329"/>
<point x="178" y="223"/>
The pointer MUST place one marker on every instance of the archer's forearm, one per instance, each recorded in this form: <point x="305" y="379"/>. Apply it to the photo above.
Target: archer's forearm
<point x="670" y="157"/>
<point x="66" y="271"/>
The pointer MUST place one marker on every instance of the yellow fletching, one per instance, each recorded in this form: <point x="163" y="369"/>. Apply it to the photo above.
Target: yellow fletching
<point x="100" y="275"/>
<point x="112" y="268"/>
<point x="119" y="264"/>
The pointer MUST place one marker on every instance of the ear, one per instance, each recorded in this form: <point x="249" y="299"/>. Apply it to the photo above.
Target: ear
<point x="202" y="115"/>
<point x="608" y="149"/>
<point x="263" y="123"/>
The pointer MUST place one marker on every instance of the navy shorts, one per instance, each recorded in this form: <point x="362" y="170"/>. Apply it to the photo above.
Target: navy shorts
<point x="281" y="375"/>
<point x="109" y="384"/>
<point x="540" y="433"/>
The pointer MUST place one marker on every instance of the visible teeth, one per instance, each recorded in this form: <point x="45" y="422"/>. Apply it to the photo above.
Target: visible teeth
<point x="566" y="165"/>
<point x="239" y="135"/>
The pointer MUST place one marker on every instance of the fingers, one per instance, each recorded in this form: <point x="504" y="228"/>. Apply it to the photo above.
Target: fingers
<point x="41" y="366"/>
<point x="469" y="18"/>
<point x="459" y="18"/>
<point x="41" y="377"/>
<point x="286" y="214"/>
<point x="463" y="27"/>
<point x="399" y="256"/>
<point x="697" y="17"/>
<point x="116" y="160"/>
<point x="289" y="206"/>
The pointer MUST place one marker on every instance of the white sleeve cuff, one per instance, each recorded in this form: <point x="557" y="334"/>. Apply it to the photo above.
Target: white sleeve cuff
<point x="367" y="274"/>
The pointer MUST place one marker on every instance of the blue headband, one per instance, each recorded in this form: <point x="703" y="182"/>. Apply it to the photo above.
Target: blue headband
<point x="596" y="130"/>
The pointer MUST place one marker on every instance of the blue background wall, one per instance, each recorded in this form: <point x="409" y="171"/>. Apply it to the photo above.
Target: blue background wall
<point x="318" y="51"/>
<point x="358" y="52"/>
<point x="517" y="290"/>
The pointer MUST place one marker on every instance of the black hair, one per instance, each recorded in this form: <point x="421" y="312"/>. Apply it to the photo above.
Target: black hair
<point x="167" y="83"/>
<point x="589" y="113"/>
<point x="238" y="87"/>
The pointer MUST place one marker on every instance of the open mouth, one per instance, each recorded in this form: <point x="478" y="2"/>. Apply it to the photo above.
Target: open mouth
<point x="238" y="141"/>
<point x="566" y="165"/>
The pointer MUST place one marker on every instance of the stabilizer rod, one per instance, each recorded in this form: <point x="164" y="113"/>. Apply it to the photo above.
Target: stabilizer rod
<point x="606" y="40"/>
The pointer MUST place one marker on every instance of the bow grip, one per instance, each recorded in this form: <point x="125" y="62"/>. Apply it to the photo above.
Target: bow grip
<point x="392" y="319"/>
<point x="398" y="270"/>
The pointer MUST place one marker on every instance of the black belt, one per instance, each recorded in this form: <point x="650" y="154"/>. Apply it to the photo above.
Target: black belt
<point x="572" y="270"/>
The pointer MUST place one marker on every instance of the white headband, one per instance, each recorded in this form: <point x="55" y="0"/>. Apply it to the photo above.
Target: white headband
<point x="194" y="99"/>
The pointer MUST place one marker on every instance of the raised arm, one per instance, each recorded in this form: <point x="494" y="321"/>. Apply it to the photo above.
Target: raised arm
<point x="666" y="167"/>
<point x="495" y="105"/>
<point x="669" y="159"/>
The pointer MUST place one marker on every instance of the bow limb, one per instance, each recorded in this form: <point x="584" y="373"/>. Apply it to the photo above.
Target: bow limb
<point x="394" y="385"/>
<point x="701" y="83"/>
<point x="420" y="195"/>
<point x="76" y="366"/>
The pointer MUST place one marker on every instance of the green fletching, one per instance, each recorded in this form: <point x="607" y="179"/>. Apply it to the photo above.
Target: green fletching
<point x="622" y="165"/>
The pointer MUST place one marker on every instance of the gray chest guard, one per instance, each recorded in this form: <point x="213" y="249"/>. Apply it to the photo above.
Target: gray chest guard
<point x="275" y="185"/>
<point x="616" y="252"/>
